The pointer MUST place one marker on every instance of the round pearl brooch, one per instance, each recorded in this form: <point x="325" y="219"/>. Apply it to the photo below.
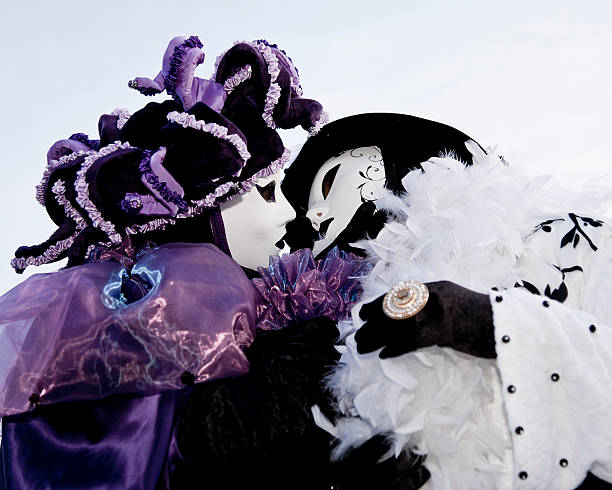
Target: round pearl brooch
<point x="405" y="299"/>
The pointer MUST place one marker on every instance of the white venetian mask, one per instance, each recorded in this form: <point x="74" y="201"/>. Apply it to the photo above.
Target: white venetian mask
<point x="255" y="221"/>
<point x="340" y="186"/>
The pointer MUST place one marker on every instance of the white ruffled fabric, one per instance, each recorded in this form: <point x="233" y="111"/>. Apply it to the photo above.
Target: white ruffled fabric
<point x="472" y="226"/>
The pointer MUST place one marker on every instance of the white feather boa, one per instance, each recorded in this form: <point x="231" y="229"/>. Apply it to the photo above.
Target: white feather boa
<point x="467" y="225"/>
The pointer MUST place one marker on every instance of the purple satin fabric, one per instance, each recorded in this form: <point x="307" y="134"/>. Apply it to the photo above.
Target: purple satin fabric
<point x="295" y="287"/>
<point x="118" y="442"/>
<point x="66" y="336"/>
<point x="211" y="93"/>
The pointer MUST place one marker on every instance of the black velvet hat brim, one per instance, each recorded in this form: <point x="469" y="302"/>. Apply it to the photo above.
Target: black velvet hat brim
<point x="405" y="142"/>
<point x="143" y="128"/>
<point x="66" y="173"/>
<point x="250" y="95"/>
<point x="199" y="161"/>
<point x="265" y="145"/>
<point x="110" y="178"/>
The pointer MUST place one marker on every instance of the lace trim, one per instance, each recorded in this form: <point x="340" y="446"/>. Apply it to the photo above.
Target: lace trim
<point x="161" y="187"/>
<point x="59" y="189"/>
<point x="237" y="78"/>
<point x="216" y="130"/>
<point x="175" y="63"/>
<point x="54" y="251"/>
<point x="220" y="57"/>
<point x="293" y="71"/>
<point x="275" y="166"/>
<point x="156" y="224"/>
<point x="48" y="256"/>
<point x="52" y="165"/>
<point x="274" y="91"/>
<point x="323" y="119"/>
<point x="82" y="188"/>
<point x="123" y="115"/>
<point x="210" y="201"/>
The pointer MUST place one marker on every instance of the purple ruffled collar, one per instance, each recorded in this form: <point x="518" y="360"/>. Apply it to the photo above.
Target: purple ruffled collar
<point x="295" y="287"/>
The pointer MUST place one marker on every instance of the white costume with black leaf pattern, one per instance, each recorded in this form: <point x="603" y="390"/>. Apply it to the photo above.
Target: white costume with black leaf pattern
<point x="489" y="226"/>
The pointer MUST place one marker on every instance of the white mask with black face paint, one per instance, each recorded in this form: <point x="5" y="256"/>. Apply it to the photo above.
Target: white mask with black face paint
<point x="340" y="186"/>
<point x="255" y="221"/>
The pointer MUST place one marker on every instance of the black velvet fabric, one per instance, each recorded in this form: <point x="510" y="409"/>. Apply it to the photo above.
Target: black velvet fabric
<point x="405" y="141"/>
<point x="302" y="112"/>
<point x="112" y="176"/>
<point x="256" y="431"/>
<point x="365" y="223"/>
<point x="249" y="95"/>
<point x="360" y="469"/>
<point x="67" y="173"/>
<point x="143" y="128"/>
<point x="192" y="230"/>
<point x="78" y="249"/>
<point x="64" y="230"/>
<point x="107" y="129"/>
<point x="198" y="160"/>
<point x="591" y="482"/>
<point x="264" y="144"/>
<point x="453" y="317"/>
<point x="300" y="234"/>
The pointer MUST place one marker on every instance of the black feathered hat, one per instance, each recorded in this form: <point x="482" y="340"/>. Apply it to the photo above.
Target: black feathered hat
<point x="404" y="141"/>
<point x="261" y="79"/>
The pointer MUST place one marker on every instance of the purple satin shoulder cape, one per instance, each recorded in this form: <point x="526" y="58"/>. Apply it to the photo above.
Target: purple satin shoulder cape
<point x="118" y="442"/>
<point x="67" y="336"/>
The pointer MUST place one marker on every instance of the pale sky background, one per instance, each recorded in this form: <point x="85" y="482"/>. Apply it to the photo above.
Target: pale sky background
<point x="532" y="77"/>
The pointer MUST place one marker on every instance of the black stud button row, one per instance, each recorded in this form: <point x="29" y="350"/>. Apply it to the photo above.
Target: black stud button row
<point x="499" y="299"/>
<point x="592" y="328"/>
<point x="563" y="463"/>
<point x="505" y="339"/>
<point x="519" y="430"/>
<point x="511" y="389"/>
<point x="555" y="377"/>
<point x="545" y="303"/>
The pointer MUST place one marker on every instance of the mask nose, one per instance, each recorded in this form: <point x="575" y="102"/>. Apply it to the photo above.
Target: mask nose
<point x="317" y="214"/>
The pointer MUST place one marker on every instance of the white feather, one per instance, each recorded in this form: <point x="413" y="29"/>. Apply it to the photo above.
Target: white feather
<point x="466" y="225"/>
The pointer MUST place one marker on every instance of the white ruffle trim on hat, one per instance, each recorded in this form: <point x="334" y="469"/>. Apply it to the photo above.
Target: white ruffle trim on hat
<point x="82" y="188"/>
<point x="122" y="116"/>
<point x="214" y="129"/>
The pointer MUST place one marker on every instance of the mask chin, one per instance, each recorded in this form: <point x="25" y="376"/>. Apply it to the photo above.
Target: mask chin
<point x="366" y="222"/>
<point x="255" y="221"/>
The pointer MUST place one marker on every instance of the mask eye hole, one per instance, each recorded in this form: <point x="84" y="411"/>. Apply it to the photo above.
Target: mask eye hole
<point x="267" y="191"/>
<point x="328" y="180"/>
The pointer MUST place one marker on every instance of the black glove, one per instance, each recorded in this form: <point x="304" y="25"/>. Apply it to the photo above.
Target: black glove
<point x="453" y="317"/>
